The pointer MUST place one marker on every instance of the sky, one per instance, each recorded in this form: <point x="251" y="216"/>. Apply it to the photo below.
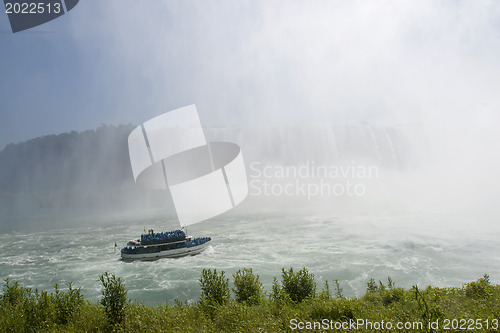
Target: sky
<point x="257" y="62"/>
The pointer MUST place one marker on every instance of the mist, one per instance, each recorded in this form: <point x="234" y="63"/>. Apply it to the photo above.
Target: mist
<point x="275" y="71"/>
<point x="286" y="62"/>
<point x="433" y="65"/>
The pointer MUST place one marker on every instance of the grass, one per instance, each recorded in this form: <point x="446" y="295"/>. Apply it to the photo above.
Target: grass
<point x="477" y="303"/>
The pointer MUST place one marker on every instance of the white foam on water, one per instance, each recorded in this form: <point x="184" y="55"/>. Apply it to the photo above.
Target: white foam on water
<point x="351" y="249"/>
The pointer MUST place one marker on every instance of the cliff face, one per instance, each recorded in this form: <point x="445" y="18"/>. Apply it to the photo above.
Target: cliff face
<point x="90" y="169"/>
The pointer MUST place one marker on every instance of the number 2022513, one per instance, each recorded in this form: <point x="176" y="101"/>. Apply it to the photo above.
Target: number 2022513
<point x="32" y="8"/>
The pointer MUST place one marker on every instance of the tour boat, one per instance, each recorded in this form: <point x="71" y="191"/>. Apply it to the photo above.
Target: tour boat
<point x="170" y="244"/>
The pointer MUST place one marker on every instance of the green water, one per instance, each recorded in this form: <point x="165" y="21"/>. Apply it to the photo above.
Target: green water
<point x="411" y="249"/>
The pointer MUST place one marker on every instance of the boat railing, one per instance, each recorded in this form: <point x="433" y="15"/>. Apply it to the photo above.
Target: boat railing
<point x="166" y="243"/>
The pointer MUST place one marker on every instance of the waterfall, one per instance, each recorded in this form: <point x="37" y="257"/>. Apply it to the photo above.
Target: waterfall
<point x="393" y="147"/>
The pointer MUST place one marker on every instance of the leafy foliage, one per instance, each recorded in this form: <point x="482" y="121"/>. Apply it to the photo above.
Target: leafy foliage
<point x="480" y="288"/>
<point x="338" y="290"/>
<point x="25" y="310"/>
<point x="325" y="292"/>
<point x="428" y="306"/>
<point x="298" y="286"/>
<point x="214" y="287"/>
<point x="67" y="303"/>
<point x="278" y="296"/>
<point x="28" y="310"/>
<point x="247" y="287"/>
<point x="371" y="286"/>
<point x="114" y="298"/>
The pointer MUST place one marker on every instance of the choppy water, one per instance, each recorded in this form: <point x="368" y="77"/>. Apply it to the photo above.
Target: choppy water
<point x="411" y="249"/>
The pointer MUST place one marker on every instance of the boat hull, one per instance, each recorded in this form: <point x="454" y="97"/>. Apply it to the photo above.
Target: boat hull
<point x="173" y="253"/>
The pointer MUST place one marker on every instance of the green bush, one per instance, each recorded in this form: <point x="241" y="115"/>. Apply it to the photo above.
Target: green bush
<point x="428" y="302"/>
<point x="324" y="308"/>
<point x="114" y="298"/>
<point x="67" y="304"/>
<point x="325" y="292"/>
<point x="247" y="287"/>
<point x="381" y="293"/>
<point x="371" y="286"/>
<point x="480" y="288"/>
<point x="278" y="296"/>
<point x="13" y="293"/>
<point x="37" y="310"/>
<point x="214" y="287"/>
<point x="298" y="286"/>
